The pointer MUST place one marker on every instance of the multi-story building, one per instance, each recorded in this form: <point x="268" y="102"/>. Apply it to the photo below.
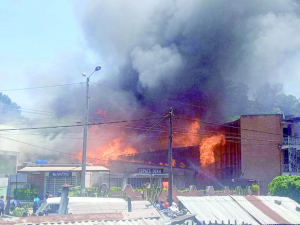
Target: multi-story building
<point x="291" y="146"/>
<point x="258" y="147"/>
<point x="257" y="141"/>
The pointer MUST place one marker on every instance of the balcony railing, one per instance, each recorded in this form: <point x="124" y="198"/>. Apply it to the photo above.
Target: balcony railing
<point x="291" y="140"/>
<point x="286" y="168"/>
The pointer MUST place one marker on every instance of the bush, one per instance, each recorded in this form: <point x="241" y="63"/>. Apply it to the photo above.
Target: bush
<point x="19" y="212"/>
<point x="74" y="191"/>
<point x="115" y="189"/>
<point x="182" y="191"/>
<point x="286" y="186"/>
<point x="138" y="189"/>
<point x="24" y="193"/>
<point x="255" y="187"/>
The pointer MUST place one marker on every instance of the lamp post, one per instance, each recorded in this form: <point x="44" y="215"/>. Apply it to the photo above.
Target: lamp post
<point x="85" y="131"/>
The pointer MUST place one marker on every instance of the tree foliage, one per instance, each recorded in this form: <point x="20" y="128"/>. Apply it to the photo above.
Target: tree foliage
<point x="271" y="99"/>
<point x="286" y="186"/>
<point x="9" y="110"/>
<point x="24" y="193"/>
<point x="267" y="99"/>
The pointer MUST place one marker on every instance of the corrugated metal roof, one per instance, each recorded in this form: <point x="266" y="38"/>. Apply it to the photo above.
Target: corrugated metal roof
<point x="217" y="208"/>
<point x="90" y="219"/>
<point x="255" y="212"/>
<point x="110" y="222"/>
<point x="286" y="209"/>
<point x="140" y="209"/>
<point x="62" y="168"/>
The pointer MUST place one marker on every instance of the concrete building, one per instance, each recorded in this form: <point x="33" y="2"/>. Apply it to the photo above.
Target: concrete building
<point x="51" y="177"/>
<point x="258" y="148"/>
<point x="252" y="149"/>
<point x="138" y="173"/>
<point x="291" y="146"/>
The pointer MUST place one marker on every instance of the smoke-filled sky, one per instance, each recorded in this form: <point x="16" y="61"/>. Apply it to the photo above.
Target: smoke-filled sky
<point x="185" y="50"/>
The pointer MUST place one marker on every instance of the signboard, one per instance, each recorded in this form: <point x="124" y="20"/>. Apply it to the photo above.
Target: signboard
<point x="58" y="174"/>
<point x="150" y="171"/>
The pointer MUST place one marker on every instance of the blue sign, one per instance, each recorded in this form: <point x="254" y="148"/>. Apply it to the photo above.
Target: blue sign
<point x="60" y="174"/>
<point x="41" y="161"/>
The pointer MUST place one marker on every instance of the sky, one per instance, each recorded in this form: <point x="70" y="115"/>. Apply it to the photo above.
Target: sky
<point x="37" y="39"/>
<point x="46" y="43"/>
<point x="183" y="50"/>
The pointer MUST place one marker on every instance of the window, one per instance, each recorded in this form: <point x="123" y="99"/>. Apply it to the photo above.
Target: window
<point x="52" y="208"/>
<point x="138" y="182"/>
<point x="286" y="156"/>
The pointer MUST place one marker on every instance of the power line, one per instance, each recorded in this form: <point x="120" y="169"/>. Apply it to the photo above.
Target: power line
<point x="223" y="125"/>
<point x="40" y="87"/>
<point x="75" y="125"/>
<point x="96" y="159"/>
<point x="33" y="145"/>
<point x="139" y="135"/>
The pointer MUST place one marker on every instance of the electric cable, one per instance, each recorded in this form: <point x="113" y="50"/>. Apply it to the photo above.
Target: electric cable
<point x="139" y="135"/>
<point x="74" y="125"/>
<point x="40" y="87"/>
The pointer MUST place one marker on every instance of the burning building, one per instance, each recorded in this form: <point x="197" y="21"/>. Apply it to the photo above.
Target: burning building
<point x="255" y="147"/>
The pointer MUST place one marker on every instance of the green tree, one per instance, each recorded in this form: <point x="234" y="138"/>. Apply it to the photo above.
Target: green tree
<point x="9" y="110"/>
<point x="286" y="186"/>
<point x="271" y="99"/>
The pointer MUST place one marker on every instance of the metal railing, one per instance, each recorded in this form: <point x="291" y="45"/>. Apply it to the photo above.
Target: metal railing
<point x="291" y="140"/>
<point x="286" y="168"/>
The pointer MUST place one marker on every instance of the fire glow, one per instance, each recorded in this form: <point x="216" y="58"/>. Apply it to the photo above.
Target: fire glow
<point x="207" y="148"/>
<point x="190" y="137"/>
<point x="119" y="149"/>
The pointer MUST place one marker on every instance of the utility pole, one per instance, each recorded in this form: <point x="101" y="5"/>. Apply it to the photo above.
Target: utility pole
<point x="85" y="131"/>
<point x="170" y="158"/>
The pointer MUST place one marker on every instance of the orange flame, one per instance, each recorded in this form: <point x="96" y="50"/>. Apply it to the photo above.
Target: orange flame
<point x="111" y="151"/>
<point x="190" y="137"/>
<point x="173" y="162"/>
<point x="182" y="165"/>
<point x="207" y="149"/>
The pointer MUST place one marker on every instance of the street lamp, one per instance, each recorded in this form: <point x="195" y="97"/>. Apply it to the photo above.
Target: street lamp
<point x="85" y="131"/>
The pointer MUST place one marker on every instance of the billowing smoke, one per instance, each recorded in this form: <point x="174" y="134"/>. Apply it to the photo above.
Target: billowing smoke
<point x="199" y="57"/>
<point x="196" y="52"/>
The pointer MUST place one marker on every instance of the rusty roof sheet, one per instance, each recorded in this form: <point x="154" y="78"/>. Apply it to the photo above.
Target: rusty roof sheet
<point x="285" y="207"/>
<point x="266" y="211"/>
<point x="217" y="208"/>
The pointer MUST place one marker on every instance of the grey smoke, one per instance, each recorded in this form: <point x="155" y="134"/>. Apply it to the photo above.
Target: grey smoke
<point x="184" y="50"/>
<point x="207" y="41"/>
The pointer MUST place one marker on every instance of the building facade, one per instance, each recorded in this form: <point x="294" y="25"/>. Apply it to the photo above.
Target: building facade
<point x="138" y="173"/>
<point x="50" y="177"/>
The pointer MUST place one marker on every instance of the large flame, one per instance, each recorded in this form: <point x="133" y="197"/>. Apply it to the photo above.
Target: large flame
<point x="207" y="148"/>
<point x="110" y="151"/>
<point x="189" y="137"/>
<point x="114" y="149"/>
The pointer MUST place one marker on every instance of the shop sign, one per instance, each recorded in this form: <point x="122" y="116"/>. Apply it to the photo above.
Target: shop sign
<point x="150" y="171"/>
<point x="60" y="174"/>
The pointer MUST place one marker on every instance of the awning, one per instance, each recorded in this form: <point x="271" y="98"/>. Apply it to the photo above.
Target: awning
<point x="62" y="168"/>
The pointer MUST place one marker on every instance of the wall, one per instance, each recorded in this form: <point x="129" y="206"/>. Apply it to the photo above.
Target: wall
<point x="8" y="162"/>
<point x="183" y="178"/>
<point x="260" y="156"/>
<point x="36" y="181"/>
